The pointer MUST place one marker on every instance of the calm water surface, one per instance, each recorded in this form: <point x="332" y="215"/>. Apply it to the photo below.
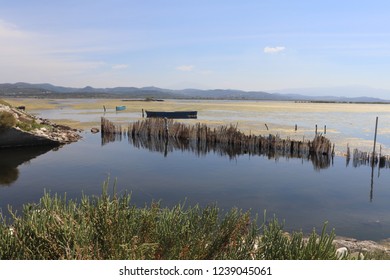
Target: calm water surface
<point x="292" y="189"/>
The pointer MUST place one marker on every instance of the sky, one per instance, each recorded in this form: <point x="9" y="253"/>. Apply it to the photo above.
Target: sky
<point x="260" y="45"/>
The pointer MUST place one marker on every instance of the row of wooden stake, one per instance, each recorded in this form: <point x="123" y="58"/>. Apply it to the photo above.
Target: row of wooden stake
<point x="165" y="129"/>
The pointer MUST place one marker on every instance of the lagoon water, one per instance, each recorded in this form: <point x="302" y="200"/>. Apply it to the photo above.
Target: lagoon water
<point x="353" y="200"/>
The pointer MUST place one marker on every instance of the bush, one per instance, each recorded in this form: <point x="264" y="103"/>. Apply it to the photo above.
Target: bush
<point x="29" y="125"/>
<point x="109" y="227"/>
<point x="7" y="120"/>
<point x="277" y="245"/>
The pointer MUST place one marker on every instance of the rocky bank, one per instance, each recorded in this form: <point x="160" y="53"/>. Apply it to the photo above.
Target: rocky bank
<point x="18" y="129"/>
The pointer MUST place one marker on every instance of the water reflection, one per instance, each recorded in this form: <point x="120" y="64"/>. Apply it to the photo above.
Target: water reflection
<point x="201" y="148"/>
<point x="168" y="145"/>
<point x="10" y="159"/>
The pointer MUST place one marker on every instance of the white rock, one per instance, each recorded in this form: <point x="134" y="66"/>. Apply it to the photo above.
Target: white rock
<point x="341" y="252"/>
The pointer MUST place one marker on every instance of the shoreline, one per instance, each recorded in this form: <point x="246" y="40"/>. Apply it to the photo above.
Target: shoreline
<point x="20" y="129"/>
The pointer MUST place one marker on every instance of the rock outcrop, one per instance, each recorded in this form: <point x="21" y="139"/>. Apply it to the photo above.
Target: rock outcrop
<point x="24" y="129"/>
<point x="359" y="248"/>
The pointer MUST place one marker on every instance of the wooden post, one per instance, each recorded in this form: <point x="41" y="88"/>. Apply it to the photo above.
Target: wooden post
<point x="316" y="129"/>
<point x="373" y="150"/>
<point x="324" y="129"/>
<point x="296" y="127"/>
<point x="143" y="113"/>
<point x="266" y="126"/>
<point x="104" y="107"/>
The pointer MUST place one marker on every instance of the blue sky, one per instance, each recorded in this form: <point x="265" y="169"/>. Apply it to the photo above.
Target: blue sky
<point x="247" y="45"/>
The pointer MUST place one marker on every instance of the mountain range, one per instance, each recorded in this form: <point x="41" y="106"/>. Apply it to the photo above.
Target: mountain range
<point x="51" y="91"/>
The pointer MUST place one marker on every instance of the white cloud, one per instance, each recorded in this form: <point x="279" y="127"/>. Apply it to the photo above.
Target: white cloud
<point x="185" y="68"/>
<point x="120" y="66"/>
<point x="34" y="57"/>
<point x="274" y="49"/>
<point x="206" y="72"/>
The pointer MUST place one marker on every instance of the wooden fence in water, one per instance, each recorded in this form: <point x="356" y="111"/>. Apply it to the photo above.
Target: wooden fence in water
<point x="226" y="135"/>
<point x="367" y="158"/>
<point x="165" y="134"/>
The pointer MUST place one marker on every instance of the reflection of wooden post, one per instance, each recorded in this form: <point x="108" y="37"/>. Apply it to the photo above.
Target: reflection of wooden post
<point x="372" y="183"/>
<point x="373" y="161"/>
<point x="379" y="160"/>
<point x="166" y="127"/>
<point x="373" y="150"/>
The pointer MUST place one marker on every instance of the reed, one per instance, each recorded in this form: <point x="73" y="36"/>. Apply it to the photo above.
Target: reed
<point x="108" y="127"/>
<point x="227" y="138"/>
<point x="110" y="227"/>
<point x="365" y="158"/>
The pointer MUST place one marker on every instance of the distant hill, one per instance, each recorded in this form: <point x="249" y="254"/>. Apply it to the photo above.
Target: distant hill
<point x="52" y="91"/>
<point x="360" y="93"/>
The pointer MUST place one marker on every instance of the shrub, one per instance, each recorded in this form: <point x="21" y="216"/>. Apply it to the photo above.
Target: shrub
<point x="109" y="227"/>
<point x="28" y="125"/>
<point x="277" y="245"/>
<point x="7" y="119"/>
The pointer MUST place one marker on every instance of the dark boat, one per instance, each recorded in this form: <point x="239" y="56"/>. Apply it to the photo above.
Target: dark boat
<point x="172" y="115"/>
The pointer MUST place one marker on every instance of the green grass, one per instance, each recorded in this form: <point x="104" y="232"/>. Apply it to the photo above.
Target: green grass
<point x="29" y="125"/>
<point x="110" y="227"/>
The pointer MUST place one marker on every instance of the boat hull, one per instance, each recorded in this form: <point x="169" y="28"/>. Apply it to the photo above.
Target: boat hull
<point x="172" y="115"/>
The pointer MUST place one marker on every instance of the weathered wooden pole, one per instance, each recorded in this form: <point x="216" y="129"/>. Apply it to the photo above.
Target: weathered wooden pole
<point x="143" y="113"/>
<point x="324" y="129"/>
<point x="316" y="129"/>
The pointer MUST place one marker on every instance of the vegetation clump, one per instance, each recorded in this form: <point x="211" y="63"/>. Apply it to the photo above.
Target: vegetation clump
<point x="29" y="125"/>
<point x="7" y="120"/>
<point x="109" y="227"/>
